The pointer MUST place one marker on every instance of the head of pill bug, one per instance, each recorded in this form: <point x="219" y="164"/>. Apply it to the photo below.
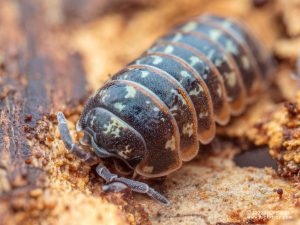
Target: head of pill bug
<point x="111" y="137"/>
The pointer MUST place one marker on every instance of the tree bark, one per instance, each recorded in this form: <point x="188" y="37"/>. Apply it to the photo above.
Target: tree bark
<point x="39" y="75"/>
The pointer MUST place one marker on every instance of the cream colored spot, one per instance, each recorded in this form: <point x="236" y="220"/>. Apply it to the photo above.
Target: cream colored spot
<point x="93" y="120"/>
<point x="125" y="152"/>
<point x="189" y="27"/>
<point x="156" y="109"/>
<point x="180" y="97"/>
<point x="185" y="74"/>
<point x="219" y="91"/>
<point x="114" y="127"/>
<point x="218" y="62"/>
<point x="173" y="109"/>
<point x="231" y="79"/>
<point x="245" y="62"/>
<point x="210" y="54"/>
<point x="231" y="47"/>
<point x="215" y="34"/>
<point x="196" y="90"/>
<point x="188" y="129"/>
<point x="119" y="106"/>
<point x="203" y="114"/>
<point x="174" y="91"/>
<point x="156" y="60"/>
<point x="170" y="144"/>
<point x="194" y="60"/>
<point x="145" y="74"/>
<point x="177" y="37"/>
<point x="104" y="94"/>
<point x="131" y="92"/>
<point x="169" y="49"/>
<point x="148" y="102"/>
<point x="148" y="169"/>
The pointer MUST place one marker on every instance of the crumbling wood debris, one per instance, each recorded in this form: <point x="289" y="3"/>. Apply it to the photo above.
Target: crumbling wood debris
<point x="38" y="76"/>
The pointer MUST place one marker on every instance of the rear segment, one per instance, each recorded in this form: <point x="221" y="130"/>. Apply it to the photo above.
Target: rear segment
<point x="241" y="32"/>
<point x="231" y="44"/>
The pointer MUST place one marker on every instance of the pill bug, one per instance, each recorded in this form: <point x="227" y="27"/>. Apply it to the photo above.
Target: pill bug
<point x="154" y="113"/>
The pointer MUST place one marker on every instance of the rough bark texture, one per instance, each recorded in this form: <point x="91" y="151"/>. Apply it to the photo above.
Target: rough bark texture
<point x="38" y="77"/>
<point x="54" y="53"/>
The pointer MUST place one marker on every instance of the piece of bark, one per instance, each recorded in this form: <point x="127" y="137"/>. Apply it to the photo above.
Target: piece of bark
<point x="280" y="131"/>
<point x="38" y="77"/>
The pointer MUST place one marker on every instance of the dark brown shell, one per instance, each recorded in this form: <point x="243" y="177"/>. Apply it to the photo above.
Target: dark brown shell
<point x="156" y="110"/>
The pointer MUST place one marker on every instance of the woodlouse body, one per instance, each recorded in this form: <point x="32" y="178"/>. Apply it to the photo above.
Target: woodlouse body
<point x="154" y="112"/>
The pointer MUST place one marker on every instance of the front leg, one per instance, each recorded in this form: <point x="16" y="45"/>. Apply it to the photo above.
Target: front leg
<point x="75" y="149"/>
<point x="117" y="184"/>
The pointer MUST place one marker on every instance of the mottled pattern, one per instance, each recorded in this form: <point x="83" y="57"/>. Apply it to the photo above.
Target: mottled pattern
<point x="206" y="72"/>
<point x="232" y="46"/>
<point x="181" y="72"/>
<point x="222" y="60"/>
<point x="151" y="118"/>
<point x="111" y="132"/>
<point x="244" y="35"/>
<point x="176" y="99"/>
<point x="153" y="113"/>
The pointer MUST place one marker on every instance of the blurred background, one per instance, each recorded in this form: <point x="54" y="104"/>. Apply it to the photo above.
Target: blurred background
<point x="55" y="53"/>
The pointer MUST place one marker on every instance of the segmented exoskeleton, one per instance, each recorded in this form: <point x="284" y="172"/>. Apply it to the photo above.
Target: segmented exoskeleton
<point x="154" y="113"/>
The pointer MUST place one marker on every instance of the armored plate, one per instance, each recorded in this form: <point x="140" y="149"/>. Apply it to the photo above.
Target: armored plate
<point x="176" y="99"/>
<point x="226" y="65"/>
<point x="206" y="72"/>
<point x="182" y="72"/>
<point x="244" y="35"/>
<point x="111" y="133"/>
<point x="149" y="116"/>
<point x="239" y="52"/>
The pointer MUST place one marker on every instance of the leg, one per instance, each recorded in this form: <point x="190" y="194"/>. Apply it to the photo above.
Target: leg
<point x="117" y="183"/>
<point x="74" y="148"/>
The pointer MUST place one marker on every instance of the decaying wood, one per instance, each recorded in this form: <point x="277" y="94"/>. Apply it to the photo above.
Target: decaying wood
<point x="39" y="75"/>
<point x="54" y="53"/>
